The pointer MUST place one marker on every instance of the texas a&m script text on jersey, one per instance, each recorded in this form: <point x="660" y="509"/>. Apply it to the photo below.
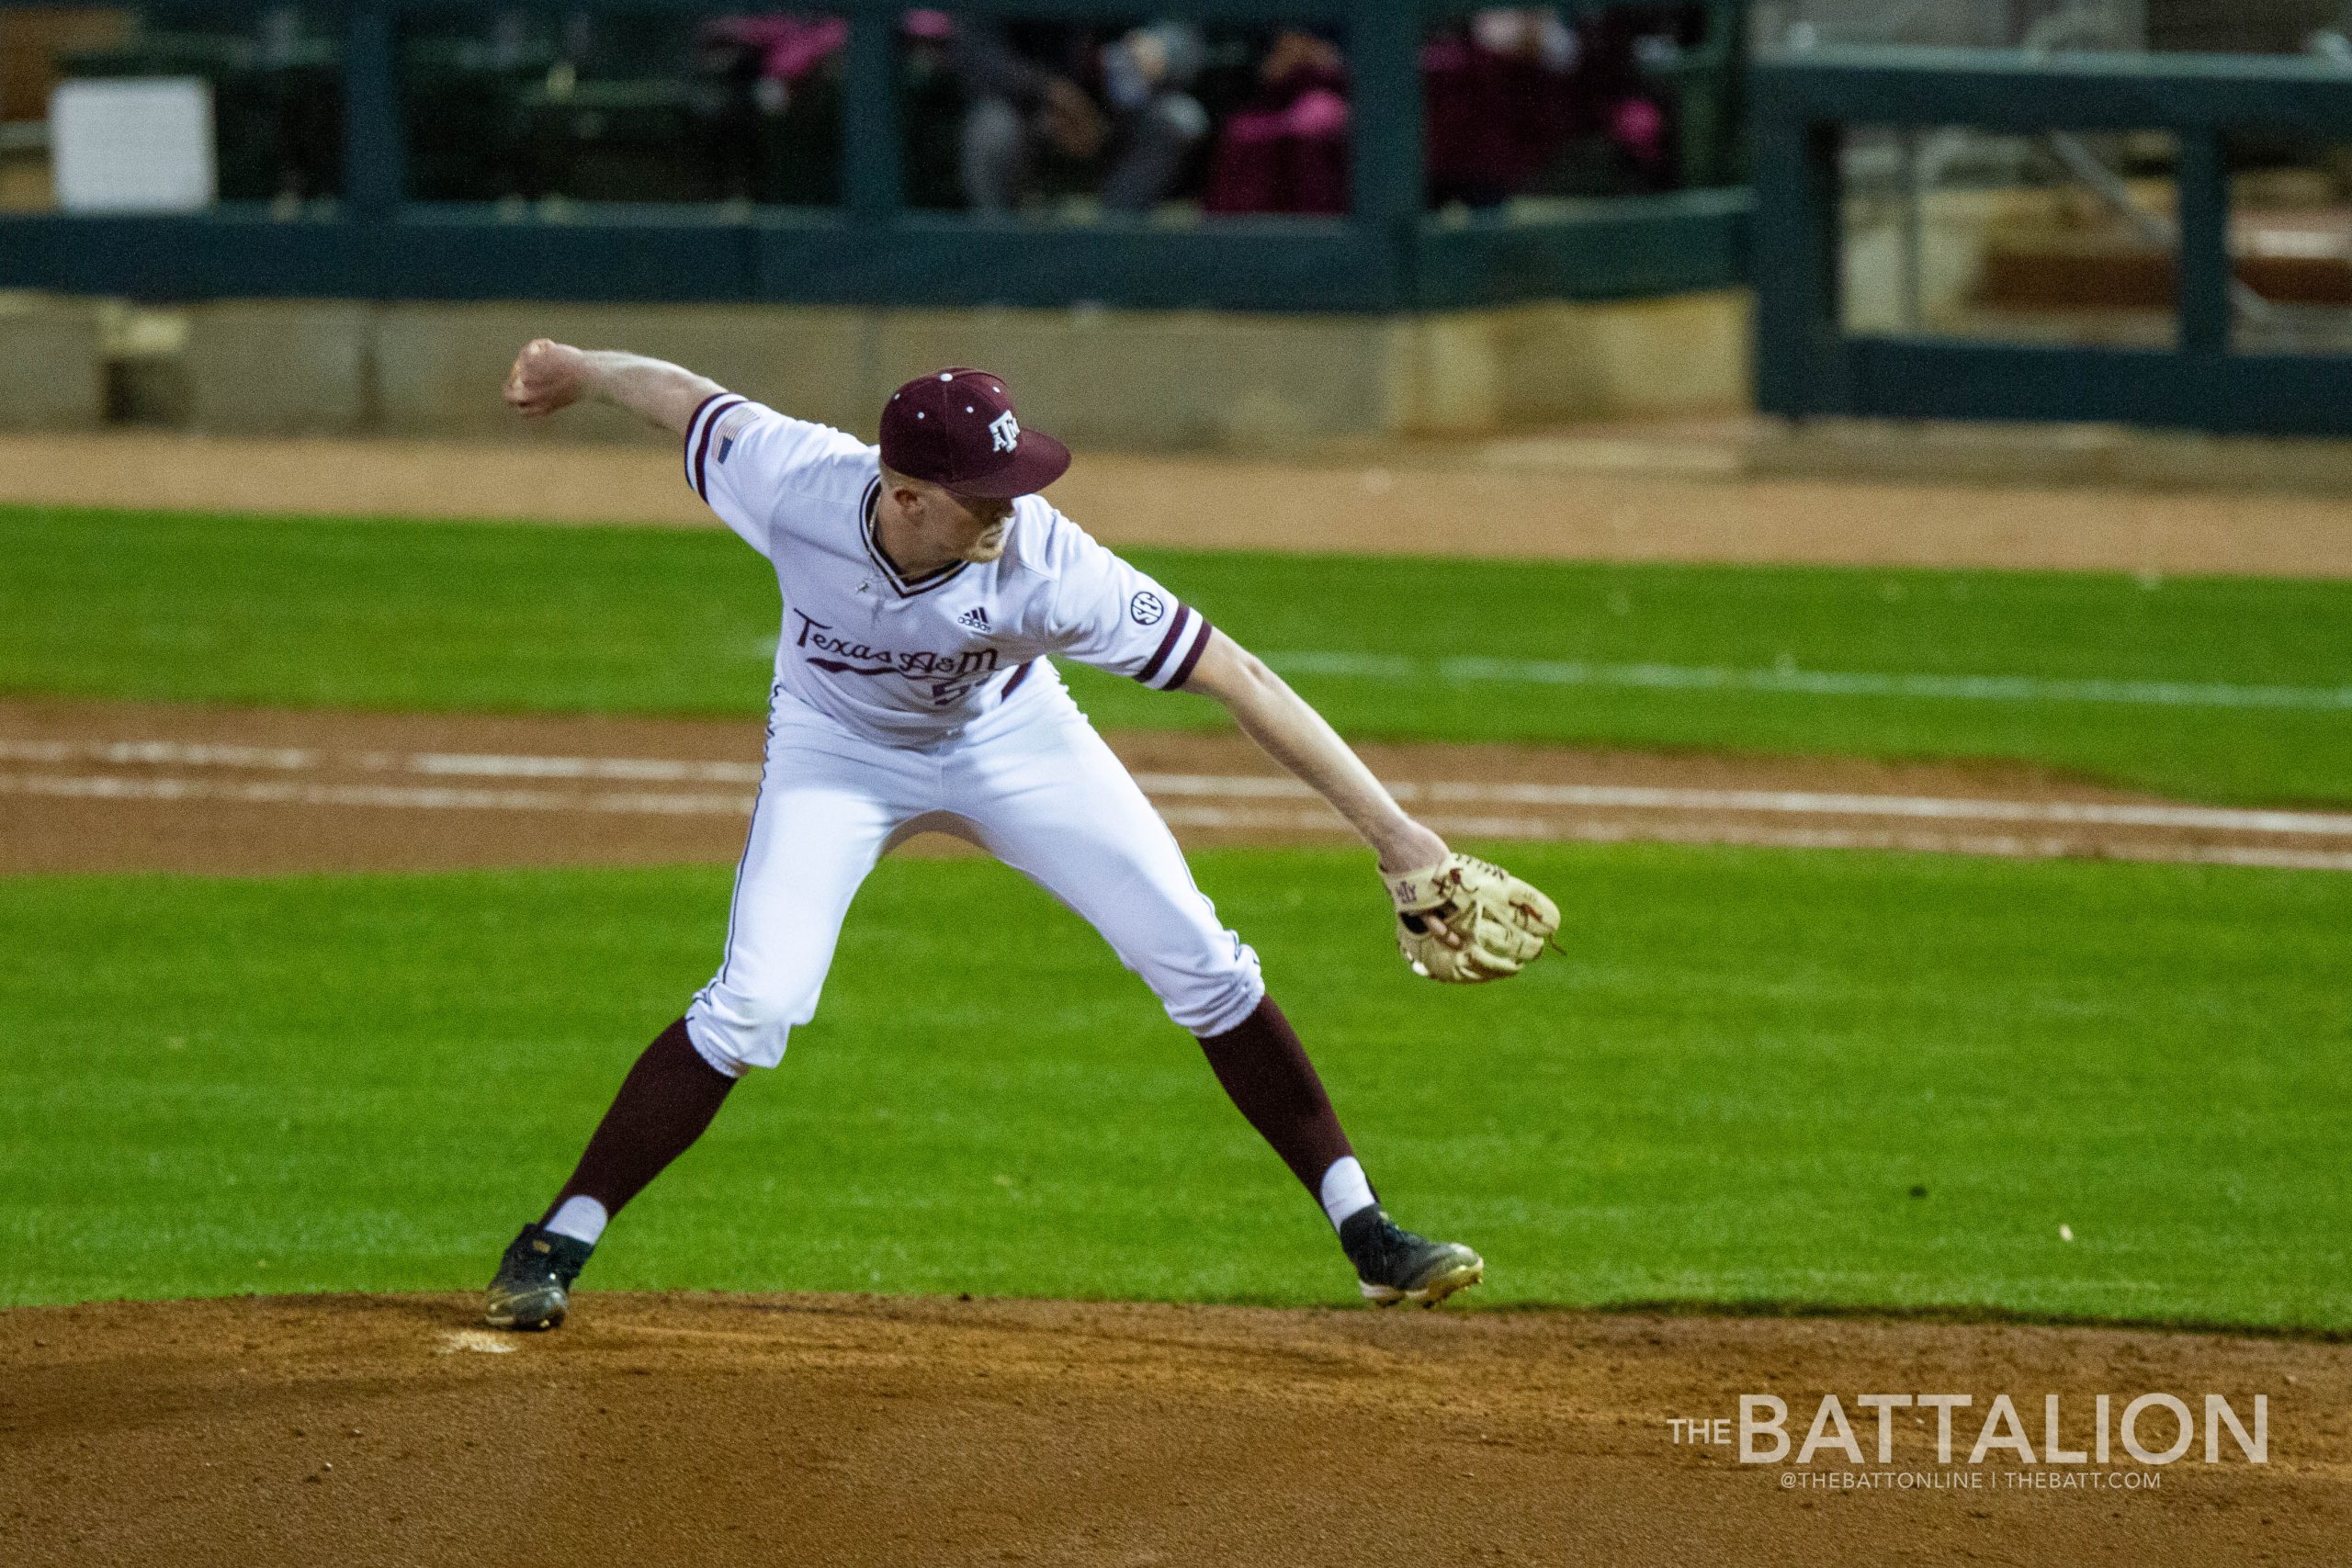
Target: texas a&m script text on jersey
<point x="920" y="660"/>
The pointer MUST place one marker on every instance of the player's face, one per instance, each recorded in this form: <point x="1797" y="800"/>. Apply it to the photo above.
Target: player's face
<point x="929" y="525"/>
<point x="971" y="528"/>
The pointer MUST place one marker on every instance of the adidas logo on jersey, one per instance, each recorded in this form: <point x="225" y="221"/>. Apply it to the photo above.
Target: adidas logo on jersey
<point x="975" y="617"/>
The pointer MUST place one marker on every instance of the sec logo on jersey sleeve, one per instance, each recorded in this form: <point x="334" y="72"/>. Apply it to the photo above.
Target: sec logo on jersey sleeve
<point x="1146" y="608"/>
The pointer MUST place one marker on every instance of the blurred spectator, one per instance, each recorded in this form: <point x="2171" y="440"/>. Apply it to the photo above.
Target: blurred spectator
<point x="1041" y="95"/>
<point x="770" y="55"/>
<point x="1497" y="103"/>
<point x="1517" y="101"/>
<point x="1016" y="109"/>
<point x="753" y="71"/>
<point x="1285" y="148"/>
<point x="1615" y="97"/>
<point x="1156" y="123"/>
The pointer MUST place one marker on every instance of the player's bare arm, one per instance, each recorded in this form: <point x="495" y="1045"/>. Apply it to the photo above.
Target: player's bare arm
<point x="1302" y="741"/>
<point x="1459" y="918"/>
<point x="549" y="376"/>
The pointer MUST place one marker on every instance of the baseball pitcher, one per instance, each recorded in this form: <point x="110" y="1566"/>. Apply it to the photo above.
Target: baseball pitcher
<point x="925" y="584"/>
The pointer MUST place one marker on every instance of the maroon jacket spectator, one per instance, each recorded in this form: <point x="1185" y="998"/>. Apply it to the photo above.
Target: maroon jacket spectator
<point x="784" y="48"/>
<point x="1504" y="93"/>
<point x="1286" y="149"/>
<point x="1497" y="103"/>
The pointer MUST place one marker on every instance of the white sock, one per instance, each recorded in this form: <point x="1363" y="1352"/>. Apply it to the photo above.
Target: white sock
<point x="1345" y="1191"/>
<point x="583" y="1218"/>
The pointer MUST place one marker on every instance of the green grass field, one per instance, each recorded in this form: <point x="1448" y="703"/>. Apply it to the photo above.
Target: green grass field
<point x="1726" y="1095"/>
<point x="2223" y="689"/>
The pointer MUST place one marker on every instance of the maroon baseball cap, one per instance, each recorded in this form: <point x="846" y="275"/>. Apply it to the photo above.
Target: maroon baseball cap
<point x="956" y="428"/>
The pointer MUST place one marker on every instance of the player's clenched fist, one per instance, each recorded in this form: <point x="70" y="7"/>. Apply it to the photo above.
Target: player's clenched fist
<point x="547" y="377"/>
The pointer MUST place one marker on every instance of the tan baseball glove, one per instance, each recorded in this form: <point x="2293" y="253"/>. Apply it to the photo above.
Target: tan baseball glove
<point x="1503" y="922"/>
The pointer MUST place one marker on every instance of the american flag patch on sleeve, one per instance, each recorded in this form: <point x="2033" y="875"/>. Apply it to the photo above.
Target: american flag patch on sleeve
<point x="731" y="425"/>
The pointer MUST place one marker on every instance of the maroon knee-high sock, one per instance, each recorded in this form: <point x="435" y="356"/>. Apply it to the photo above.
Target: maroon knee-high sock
<point x="665" y="1102"/>
<point x="1265" y="1071"/>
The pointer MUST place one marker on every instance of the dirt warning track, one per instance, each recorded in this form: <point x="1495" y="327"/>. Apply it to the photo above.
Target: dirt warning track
<point x="1645" y="495"/>
<point x="718" y="1430"/>
<point x="126" y="786"/>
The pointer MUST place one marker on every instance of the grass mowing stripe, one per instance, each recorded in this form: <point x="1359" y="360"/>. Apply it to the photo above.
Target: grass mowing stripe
<point x="278" y="611"/>
<point x="1403" y="669"/>
<point x="1725" y="1093"/>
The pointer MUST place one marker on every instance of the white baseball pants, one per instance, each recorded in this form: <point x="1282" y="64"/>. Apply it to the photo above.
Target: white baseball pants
<point x="1042" y="793"/>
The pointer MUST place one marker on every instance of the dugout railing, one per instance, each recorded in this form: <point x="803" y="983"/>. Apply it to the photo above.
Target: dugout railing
<point x="371" y="240"/>
<point x="1811" y="363"/>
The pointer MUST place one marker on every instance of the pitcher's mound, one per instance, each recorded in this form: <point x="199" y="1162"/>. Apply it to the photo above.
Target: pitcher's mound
<point x="709" y="1430"/>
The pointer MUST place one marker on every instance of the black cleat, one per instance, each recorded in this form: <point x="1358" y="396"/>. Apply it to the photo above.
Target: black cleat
<point x="533" y="1286"/>
<point x="1394" y="1265"/>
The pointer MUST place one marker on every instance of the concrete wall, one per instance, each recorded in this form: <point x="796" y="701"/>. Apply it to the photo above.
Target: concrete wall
<point x="281" y="366"/>
<point x="1131" y="380"/>
<point x="53" y="364"/>
<point x="1160" y="380"/>
<point x="439" y="367"/>
<point x="1473" y="373"/>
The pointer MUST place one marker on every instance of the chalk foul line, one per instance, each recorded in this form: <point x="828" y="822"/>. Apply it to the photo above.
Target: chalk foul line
<point x="1529" y="811"/>
<point x="1803" y="803"/>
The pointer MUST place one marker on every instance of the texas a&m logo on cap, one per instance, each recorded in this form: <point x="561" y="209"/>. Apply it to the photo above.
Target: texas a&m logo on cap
<point x="956" y="428"/>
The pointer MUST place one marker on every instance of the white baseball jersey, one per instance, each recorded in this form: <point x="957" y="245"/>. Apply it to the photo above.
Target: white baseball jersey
<point x="920" y="660"/>
<point x="905" y="704"/>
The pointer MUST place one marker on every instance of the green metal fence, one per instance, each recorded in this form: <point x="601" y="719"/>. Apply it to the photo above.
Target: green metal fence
<point x="1809" y="363"/>
<point x="372" y="241"/>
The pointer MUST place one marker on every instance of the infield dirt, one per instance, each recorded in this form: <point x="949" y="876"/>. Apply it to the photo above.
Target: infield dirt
<point x="1492" y="502"/>
<point x="131" y="787"/>
<point x="712" y="1431"/>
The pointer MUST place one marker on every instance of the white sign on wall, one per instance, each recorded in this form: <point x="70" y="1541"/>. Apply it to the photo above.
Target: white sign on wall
<point x="132" y="144"/>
